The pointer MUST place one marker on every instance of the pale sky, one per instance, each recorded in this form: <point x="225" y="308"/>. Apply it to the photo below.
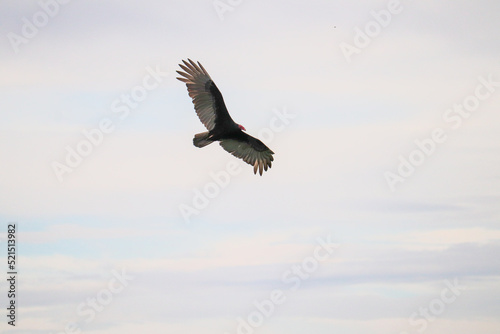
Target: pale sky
<point x="383" y="116"/>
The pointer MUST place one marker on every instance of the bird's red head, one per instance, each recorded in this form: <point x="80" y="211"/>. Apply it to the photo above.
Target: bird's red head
<point x="242" y="127"/>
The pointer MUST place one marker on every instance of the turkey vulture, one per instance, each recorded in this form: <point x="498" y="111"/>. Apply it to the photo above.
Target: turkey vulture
<point x="210" y="108"/>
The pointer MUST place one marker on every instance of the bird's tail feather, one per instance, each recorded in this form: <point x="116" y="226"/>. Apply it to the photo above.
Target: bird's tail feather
<point x="201" y="139"/>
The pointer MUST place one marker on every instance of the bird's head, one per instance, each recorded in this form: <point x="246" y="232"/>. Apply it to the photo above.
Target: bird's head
<point x="242" y="127"/>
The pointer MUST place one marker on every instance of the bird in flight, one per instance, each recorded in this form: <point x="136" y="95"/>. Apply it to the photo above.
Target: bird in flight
<point x="210" y="108"/>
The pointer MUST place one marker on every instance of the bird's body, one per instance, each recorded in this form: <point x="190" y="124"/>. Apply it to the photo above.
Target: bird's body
<point x="211" y="109"/>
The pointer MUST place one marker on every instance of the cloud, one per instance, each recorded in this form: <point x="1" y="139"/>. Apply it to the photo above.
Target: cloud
<point x="120" y="207"/>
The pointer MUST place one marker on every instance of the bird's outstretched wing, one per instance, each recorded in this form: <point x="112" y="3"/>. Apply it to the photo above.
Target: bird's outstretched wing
<point x="207" y="98"/>
<point x="251" y="150"/>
